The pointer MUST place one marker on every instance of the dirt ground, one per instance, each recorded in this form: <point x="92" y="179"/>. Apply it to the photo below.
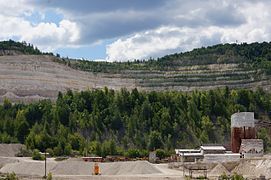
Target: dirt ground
<point x="76" y="168"/>
<point x="73" y="168"/>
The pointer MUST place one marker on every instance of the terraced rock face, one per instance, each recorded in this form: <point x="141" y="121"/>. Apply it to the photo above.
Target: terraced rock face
<point x="29" y="78"/>
<point x="200" y="77"/>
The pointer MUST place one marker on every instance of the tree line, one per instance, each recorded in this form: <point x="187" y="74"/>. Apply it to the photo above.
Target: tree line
<point x="107" y="122"/>
<point x="251" y="56"/>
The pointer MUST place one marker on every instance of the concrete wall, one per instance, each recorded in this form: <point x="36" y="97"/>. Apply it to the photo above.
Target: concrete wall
<point x="221" y="157"/>
<point x="252" y="147"/>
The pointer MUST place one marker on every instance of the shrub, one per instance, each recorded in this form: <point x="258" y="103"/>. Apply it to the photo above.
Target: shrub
<point x="58" y="151"/>
<point x="160" y="153"/>
<point x="235" y="176"/>
<point x="132" y="153"/>
<point x="11" y="176"/>
<point x="50" y="152"/>
<point x="37" y="155"/>
<point x="49" y="176"/>
<point x="143" y="153"/>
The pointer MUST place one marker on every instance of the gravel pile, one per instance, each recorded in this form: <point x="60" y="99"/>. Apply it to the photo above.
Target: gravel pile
<point x="218" y="170"/>
<point x="9" y="150"/>
<point x="74" y="167"/>
<point x="27" y="168"/>
<point x="115" y="168"/>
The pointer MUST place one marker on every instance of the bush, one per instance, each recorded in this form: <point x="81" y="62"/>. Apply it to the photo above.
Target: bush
<point x="11" y="176"/>
<point x="132" y="153"/>
<point x="143" y="153"/>
<point x="50" y="176"/>
<point x="58" y="151"/>
<point x="67" y="149"/>
<point x="50" y="152"/>
<point x="160" y="153"/>
<point x="37" y="155"/>
<point x="235" y="176"/>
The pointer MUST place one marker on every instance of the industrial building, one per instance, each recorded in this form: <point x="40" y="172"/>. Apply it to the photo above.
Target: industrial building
<point x="189" y="155"/>
<point x="192" y="155"/>
<point x="243" y="143"/>
<point x="242" y="127"/>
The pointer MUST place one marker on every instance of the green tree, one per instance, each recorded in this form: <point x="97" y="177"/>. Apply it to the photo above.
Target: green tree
<point x="155" y="140"/>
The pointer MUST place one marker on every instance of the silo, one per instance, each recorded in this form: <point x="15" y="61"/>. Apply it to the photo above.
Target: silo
<point x="242" y="127"/>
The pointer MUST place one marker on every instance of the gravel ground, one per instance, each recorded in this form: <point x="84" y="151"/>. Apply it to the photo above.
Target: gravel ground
<point x="135" y="170"/>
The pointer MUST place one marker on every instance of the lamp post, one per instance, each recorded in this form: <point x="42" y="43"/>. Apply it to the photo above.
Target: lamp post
<point x="183" y="164"/>
<point x="45" y="163"/>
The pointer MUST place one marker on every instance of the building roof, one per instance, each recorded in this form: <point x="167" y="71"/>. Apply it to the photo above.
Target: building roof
<point x="186" y="150"/>
<point x="214" y="148"/>
<point x="92" y="157"/>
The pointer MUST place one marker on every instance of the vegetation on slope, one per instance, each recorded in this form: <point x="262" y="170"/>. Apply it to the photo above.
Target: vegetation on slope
<point x="258" y="55"/>
<point x="235" y="65"/>
<point x="21" y="47"/>
<point x="232" y="65"/>
<point x="106" y="122"/>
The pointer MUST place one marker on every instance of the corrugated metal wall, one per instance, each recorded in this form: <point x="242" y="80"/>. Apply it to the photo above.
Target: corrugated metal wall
<point x="239" y="133"/>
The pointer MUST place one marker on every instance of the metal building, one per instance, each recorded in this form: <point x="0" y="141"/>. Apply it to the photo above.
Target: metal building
<point x="242" y="127"/>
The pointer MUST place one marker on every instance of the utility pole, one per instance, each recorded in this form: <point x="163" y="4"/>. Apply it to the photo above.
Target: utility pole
<point x="45" y="174"/>
<point x="183" y="164"/>
<point x="45" y="163"/>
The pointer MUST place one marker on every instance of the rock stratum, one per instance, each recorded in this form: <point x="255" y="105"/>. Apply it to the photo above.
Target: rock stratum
<point x="28" y="78"/>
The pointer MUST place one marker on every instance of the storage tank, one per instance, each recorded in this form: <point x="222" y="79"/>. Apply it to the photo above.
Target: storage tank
<point x="242" y="127"/>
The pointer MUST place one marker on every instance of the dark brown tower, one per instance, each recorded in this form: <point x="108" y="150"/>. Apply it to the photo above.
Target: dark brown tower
<point x="242" y="127"/>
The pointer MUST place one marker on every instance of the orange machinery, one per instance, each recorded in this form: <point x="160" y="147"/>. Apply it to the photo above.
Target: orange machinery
<point x="96" y="169"/>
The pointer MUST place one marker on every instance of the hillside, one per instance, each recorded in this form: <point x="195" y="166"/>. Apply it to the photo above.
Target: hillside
<point x="32" y="77"/>
<point x="27" y="74"/>
<point x="130" y="122"/>
<point x="232" y="65"/>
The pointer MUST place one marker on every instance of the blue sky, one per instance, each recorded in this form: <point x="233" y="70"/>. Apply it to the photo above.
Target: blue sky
<point x="122" y="30"/>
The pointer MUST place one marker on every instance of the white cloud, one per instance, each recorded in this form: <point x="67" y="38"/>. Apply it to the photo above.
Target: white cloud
<point x="171" y="39"/>
<point x="47" y="36"/>
<point x="15" y="8"/>
<point x="142" y="28"/>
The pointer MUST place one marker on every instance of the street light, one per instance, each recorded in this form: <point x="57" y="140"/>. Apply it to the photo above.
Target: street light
<point x="45" y="163"/>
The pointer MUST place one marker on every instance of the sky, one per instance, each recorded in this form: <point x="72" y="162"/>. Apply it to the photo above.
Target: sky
<point x="122" y="30"/>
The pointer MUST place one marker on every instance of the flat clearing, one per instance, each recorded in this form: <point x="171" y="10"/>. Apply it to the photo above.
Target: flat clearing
<point x="76" y="168"/>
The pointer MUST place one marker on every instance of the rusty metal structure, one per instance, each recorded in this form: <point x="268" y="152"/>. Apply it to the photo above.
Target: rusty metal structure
<point x="242" y="127"/>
